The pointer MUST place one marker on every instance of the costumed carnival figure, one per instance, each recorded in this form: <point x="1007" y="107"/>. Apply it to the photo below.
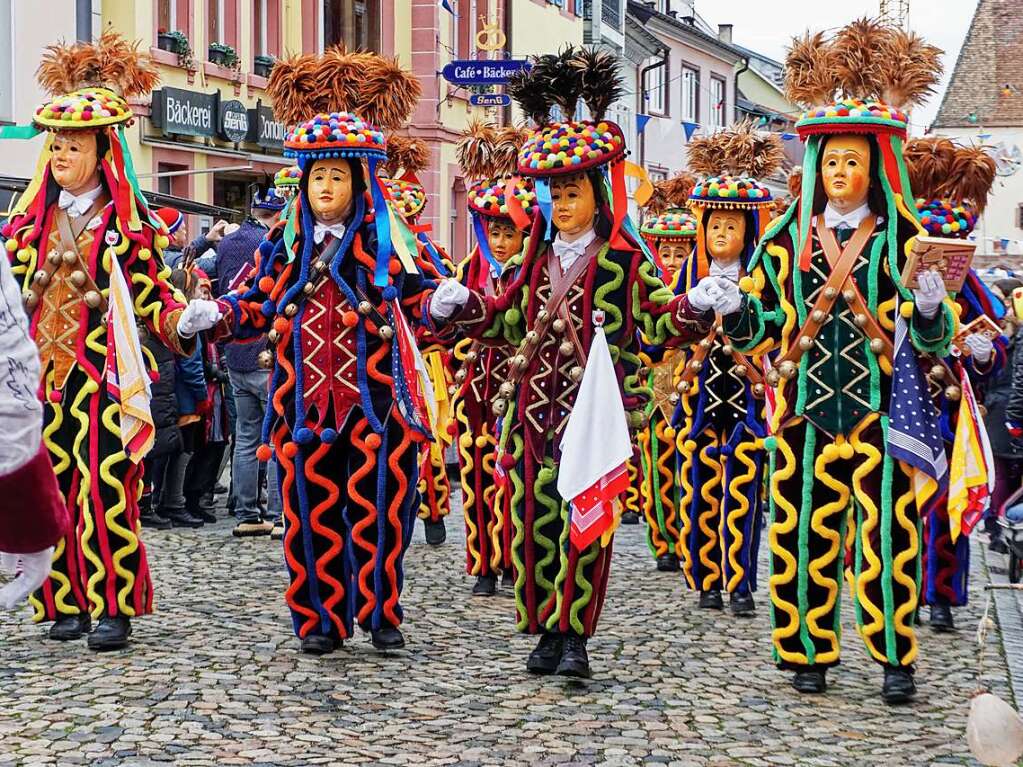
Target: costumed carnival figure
<point x="825" y="293"/>
<point x="719" y="418"/>
<point x="87" y="252"/>
<point x="347" y="405"/>
<point x="670" y="231"/>
<point x="406" y="158"/>
<point x="951" y="185"/>
<point x="573" y="310"/>
<point x="488" y="156"/>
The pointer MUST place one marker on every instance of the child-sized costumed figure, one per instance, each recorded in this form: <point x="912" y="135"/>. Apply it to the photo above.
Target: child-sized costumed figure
<point x="87" y="253"/>
<point x="586" y="287"/>
<point x="406" y="158"/>
<point x="670" y="230"/>
<point x="346" y="416"/>
<point x="825" y="293"/>
<point x="719" y="419"/>
<point x="488" y="155"/>
<point x="951" y="185"/>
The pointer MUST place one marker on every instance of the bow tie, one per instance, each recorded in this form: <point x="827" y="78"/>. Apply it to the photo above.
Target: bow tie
<point x="569" y="252"/>
<point x="77" y="206"/>
<point x="321" y="231"/>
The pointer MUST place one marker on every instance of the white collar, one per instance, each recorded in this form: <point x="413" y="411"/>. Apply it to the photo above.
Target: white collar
<point x="321" y="230"/>
<point x="569" y="252"/>
<point x="851" y="220"/>
<point x="731" y="271"/>
<point x="78" y="205"/>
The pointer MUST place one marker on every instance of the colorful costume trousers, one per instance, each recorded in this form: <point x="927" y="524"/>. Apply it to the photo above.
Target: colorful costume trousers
<point x="946" y="565"/>
<point x="348" y="511"/>
<point x="434" y="486"/>
<point x="486" y="530"/>
<point x="659" y="494"/>
<point x="720" y="475"/>
<point x="100" y="567"/>
<point x="829" y="496"/>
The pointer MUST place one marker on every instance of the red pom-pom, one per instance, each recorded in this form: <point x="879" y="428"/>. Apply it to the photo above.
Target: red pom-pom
<point x="290" y="449"/>
<point x="452" y="428"/>
<point x="350" y="319"/>
<point x="55" y="396"/>
<point x="266" y="284"/>
<point x="394" y="267"/>
<point x="373" y="441"/>
<point x="282" y="325"/>
<point x="507" y="461"/>
<point x="154" y="376"/>
<point x="264" y="453"/>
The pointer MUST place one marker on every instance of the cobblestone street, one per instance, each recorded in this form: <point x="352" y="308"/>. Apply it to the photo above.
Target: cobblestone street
<point x="215" y="678"/>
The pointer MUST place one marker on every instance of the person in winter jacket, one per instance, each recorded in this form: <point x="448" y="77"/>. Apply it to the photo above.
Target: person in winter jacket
<point x="164" y="407"/>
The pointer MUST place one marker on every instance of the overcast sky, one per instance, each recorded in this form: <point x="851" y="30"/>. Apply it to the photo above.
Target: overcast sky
<point x="767" y="27"/>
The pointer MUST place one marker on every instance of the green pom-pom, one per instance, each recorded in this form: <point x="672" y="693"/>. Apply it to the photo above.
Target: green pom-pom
<point x="512" y="316"/>
<point x="770" y="443"/>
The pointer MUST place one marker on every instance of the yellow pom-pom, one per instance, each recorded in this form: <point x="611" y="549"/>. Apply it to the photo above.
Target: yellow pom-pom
<point x="161" y="241"/>
<point x="669" y="432"/>
<point x="481" y="442"/>
<point x="906" y="309"/>
<point x="957" y="308"/>
<point x="746" y="284"/>
<point x="145" y="254"/>
<point x="830" y="452"/>
<point x="11" y="245"/>
<point x="23" y="255"/>
<point x="690" y="445"/>
<point x="465" y="441"/>
<point x="846" y="451"/>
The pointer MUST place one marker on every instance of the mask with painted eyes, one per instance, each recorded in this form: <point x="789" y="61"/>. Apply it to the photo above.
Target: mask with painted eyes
<point x="673" y="254"/>
<point x="330" y="190"/>
<point x="573" y="204"/>
<point x="74" y="161"/>
<point x="845" y="171"/>
<point x="504" y="239"/>
<point x="726" y="235"/>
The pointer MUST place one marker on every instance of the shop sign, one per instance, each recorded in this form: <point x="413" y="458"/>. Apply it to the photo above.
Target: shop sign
<point x="473" y="72"/>
<point x="490" y="100"/>
<point x="234" y="121"/>
<point x="264" y="129"/>
<point x="185" y="113"/>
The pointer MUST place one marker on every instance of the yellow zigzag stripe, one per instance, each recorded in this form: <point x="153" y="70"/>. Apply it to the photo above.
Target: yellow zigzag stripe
<point x="130" y="538"/>
<point x="710" y="492"/>
<point x="784" y="526"/>
<point x="870" y="523"/>
<point x="736" y="491"/>
<point x="903" y="560"/>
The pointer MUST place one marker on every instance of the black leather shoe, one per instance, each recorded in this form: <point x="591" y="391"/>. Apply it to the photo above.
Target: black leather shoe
<point x="574" y="661"/>
<point x="181" y="518"/>
<point x="435" y="532"/>
<point x="70" y="627"/>
<point x="206" y="516"/>
<point x="152" y="522"/>
<point x="998" y="546"/>
<point x="388" y="639"/>
<point x="486" y="586"/>
<point x="110" y="634"/>
<point x="667" y="563"/>
<point x="711" y="600"/>
<point x="630" y="518"/>
<point x="810" y="680"/>
<point x="318" y="644"/>
<point x="899" y="686"/>
<point x="941" y="619"/>
<point x="547" y="655"/>
<point x="508" y="579"/>
<point x="741" y="604"/>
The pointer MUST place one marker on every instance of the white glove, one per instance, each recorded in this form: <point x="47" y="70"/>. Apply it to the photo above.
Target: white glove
<point x="32" y="571"/>
<point x="704" y="294"/>
<point x="448" y="298"/>
<point x="930" y="294"/>
<point x="980" y="347"/>
<point x="729" y="300"/>
<point x="198" y="315"/>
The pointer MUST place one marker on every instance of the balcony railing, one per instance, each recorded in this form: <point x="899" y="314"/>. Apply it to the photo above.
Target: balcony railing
<point x="611" y="14"/>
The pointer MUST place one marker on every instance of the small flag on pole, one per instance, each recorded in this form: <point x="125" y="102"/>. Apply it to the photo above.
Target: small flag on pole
<point x="446" y="5"/>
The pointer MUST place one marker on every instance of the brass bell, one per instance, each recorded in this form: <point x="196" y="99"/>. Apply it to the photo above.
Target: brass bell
<point x="938" y="372"/>
<point x="876" y="345"/>
<point x="53" y="257"/>
<point x="452" y="390"/>
<point x="788" y="369"/>
<point x="576" y="374"/>
<point x="93" y="299"/>
<point x="78" y="278"/>
<point x="500" y="407"/>
<point x="758" y="390"/>
<point x="830" y="293"/>
<point x="565" y="348"/>
<point x="719" y="329"/>
<point x="773" y="377"/>
<point x="849" y="295"/>
<point x="309" y="288"/>
<point x="558" y="325"/>
<point x="740" y="371"/>
<point x="273" y="336"/>
<point x="542" y="316"/>
<point x="69" y="257"/>
<point x="806" y="343"/>
<point x="953" y="392"/>
<point x="471" y="357"/>
<point x="364" y="308"/>
<point x="31" y="299"/>
<point x="41" y="278"/>
<point x="727" y="348"/>
<point x="265" y="359"/>
<point x="696" y="365"/>
<point x="532" y="337"/>
<point x="460" y="376"/>
<point x="818" y="316"/>
<point x="506" y="389"/>
<point x="860" y="320"/>
<point x="673" y="398"/>
<point x="386" y="332"/>
<point x="705" y="343"/>
<point x="683" y="387"/>
<point x="520" y="362"/>
<point x="290" y="310"/>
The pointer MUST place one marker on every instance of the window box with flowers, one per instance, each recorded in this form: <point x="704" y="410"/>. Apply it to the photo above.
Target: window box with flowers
<point x="261" y="65"/>
<point x="222" y="55"/>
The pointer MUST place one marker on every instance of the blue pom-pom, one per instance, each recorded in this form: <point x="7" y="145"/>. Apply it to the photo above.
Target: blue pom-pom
<point x="269" y="308"/>
<point x="304" y="435"/>
<point x="266" y="249"/>
<point x="390" y="293"/>
<point x="328" y="436"/>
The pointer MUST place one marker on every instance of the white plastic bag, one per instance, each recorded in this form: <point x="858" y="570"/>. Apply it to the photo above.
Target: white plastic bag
<point x="994" y="731"/>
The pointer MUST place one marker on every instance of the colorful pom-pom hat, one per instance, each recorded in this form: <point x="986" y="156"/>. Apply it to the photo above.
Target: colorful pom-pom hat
<point x="571" y="147"/>
<point x="730" y="192"/>
<point x="407" y="197"/>
<point x="852" y="115"/>
<point x="943" y="219"/>
<point x="488" y="198"/>
<point x="286" y="180"/>
<point x="335" y="135"/>
<point x="671" y="225"/>
<point x="86" y="108"/>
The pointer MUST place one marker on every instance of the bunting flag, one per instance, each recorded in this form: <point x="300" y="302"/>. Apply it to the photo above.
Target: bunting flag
<point x="689" y="128"/>
<point x="972" y="473"/>
<point x="914" y="433"/>
<point x="595" y="449"/>
<point x="645" y="189"/>
<point x="641" y="121"/>
<point x="446" y="5"/>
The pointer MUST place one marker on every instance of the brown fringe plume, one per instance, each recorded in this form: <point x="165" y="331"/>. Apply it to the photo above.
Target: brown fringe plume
<point x="556" y="74"/>
<point x="388" y="94"/>
<point x="809" y="70"/>
<point x="857" y="56"/>
<point x="475" y="150"/>
<point x="928" y="161"/>
<point x="337" y="82"/>
<point x="506" y="150"/>
<point x="912" y="69"/>
<point x="405" y="154"/>
<point x="671" y="193"/>
<point x="740" y="150"/>
<point x="599" y="79"/>
<point x="795" y="181"/>
<point x="112" y="63"/>
<point x="293" y="87"/>
<point x="706" y="155"/>
<point x="971" y="176"/>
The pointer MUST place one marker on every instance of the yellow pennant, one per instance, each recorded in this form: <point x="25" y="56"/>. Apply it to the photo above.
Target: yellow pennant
<point x="645" y="189"/>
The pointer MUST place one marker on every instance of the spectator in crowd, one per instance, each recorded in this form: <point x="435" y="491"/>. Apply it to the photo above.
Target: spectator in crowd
<point x="250" y="381"/>
<point x="164" y="407"/>
<point x="180" y="247"/>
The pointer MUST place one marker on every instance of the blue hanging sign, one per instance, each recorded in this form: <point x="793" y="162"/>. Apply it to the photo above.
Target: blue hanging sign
<point x="473" y="72"/>
<point x="490" y="100"/>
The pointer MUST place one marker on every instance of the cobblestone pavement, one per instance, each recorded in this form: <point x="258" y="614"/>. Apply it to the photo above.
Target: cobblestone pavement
<point x="215" y="679"/>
